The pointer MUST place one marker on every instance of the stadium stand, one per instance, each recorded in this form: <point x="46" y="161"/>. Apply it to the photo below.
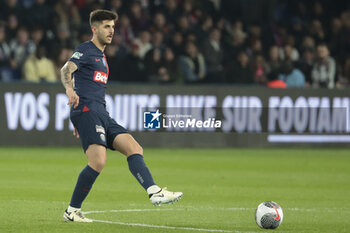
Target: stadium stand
<point x="251" y="42"/>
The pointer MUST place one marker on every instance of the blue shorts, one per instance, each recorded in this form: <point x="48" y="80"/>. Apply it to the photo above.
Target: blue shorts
<point x="95" y="126"/>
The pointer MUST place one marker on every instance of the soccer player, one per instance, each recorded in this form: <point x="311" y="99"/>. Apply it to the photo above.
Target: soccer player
<point x="84" y="77"/>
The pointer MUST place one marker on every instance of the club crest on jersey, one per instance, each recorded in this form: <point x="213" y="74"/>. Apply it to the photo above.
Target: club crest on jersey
<point x="77" y="55"/>
<point x="101" y="77"/>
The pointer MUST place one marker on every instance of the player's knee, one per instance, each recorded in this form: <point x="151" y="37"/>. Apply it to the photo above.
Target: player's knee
<point x="135" y="149"/>
<point x="101" y="163"/>
<point x="98" y="164"/>
<point x="139" y="150"/>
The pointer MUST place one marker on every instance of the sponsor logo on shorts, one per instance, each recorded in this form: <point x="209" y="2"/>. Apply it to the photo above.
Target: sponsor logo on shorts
<point x="101" y="77"/>
<point x="100" y="129"/>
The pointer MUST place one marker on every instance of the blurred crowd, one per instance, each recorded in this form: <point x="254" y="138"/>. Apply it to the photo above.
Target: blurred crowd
<point x="272" y="43"/>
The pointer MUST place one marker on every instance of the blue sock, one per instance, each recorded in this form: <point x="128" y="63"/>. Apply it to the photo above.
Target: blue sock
<point x="85" y="181"/>
<point x="139" y="169"/>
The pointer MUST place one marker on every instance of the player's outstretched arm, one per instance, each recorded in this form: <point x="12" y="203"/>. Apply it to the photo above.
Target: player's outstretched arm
<point x="67" y="80"/>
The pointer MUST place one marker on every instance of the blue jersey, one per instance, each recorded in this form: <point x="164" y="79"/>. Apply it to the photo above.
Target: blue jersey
<point x="91" y="77"/>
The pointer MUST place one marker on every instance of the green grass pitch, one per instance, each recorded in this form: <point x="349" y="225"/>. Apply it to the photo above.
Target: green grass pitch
<point x="222" y="188"/>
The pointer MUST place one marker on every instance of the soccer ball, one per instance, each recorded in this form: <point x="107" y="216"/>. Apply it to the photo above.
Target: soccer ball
<point x="269" y="215"/>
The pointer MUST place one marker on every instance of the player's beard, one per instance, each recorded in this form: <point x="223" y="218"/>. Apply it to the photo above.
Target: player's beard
<point x="103" y="40"/>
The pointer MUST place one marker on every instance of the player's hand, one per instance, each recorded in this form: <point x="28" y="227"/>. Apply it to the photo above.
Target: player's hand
<point x="75" y="133"/>
<point x="73" y="98"/>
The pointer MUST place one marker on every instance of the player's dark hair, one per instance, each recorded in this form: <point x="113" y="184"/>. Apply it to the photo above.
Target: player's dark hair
<point x="100" y="15"/>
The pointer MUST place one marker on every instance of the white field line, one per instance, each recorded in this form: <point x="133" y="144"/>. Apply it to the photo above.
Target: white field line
<point x="182" y="207"/>
<point x="163" y="227"/>
<point x="171" y="209"/>
<point x="149" y="225"/>
<point x="190" y="208"/>
<point x="127" y="210"/>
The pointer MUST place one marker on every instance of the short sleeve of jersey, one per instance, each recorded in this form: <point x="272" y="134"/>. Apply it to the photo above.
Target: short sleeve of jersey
<point x="79" y="57"/>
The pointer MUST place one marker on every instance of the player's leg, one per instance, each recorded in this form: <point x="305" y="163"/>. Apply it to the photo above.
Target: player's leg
<point x="96" y="155"/>
<point x="128" y="146"/>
